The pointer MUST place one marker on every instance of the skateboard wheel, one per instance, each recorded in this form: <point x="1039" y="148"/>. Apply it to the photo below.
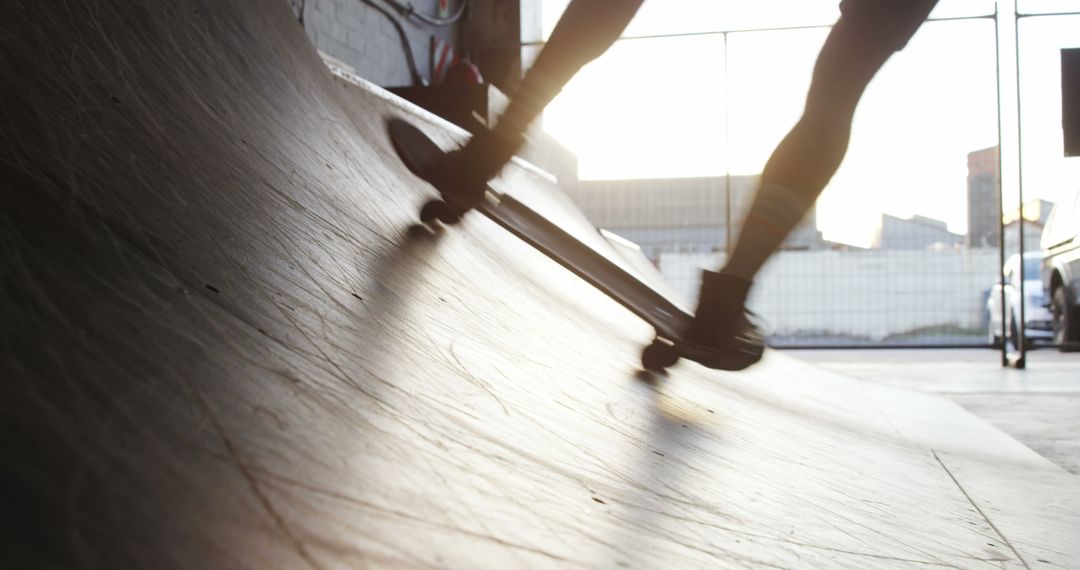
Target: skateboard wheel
<point x="450" y="217"/>
<point x="658" y="356"/>
<point x="438" y="210"/>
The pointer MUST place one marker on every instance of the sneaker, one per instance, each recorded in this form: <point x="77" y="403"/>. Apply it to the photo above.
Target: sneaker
<point x="722" y="334"/>
<point x="461" y="175"/>
<point x="461" y="184"/>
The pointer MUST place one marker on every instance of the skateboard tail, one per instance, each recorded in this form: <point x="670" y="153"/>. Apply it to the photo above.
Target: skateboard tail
<point x="413" y="147"/>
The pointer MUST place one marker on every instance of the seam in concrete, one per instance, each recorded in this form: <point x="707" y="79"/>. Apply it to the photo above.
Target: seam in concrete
<point x="980" y="511"/>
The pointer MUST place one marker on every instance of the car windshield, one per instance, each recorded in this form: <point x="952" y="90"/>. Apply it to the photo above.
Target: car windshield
<point x="1031" y="267"/>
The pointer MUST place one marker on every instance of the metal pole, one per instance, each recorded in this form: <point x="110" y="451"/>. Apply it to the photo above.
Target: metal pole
<point x="1000" y="187"/>
<point x="729" y="242"/>
<point x="1021" y="360"/>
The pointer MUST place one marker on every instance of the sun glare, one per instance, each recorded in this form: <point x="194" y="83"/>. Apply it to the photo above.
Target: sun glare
<point x="705" y="105"/>
<point x="648" y="109"/>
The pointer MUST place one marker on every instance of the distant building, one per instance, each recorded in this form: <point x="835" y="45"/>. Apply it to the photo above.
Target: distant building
<point x="983" y="201"/>
<point x="679" y="215"/>
<point x="918" y="232"/>
<point x="1036" y="213"/>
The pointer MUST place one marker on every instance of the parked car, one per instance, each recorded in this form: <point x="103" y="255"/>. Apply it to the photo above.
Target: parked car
<point x="1039" y="321"/>
<point x="1060" y="245"/>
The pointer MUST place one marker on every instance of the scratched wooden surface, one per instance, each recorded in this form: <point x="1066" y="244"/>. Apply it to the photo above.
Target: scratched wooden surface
<point x="223" y="346"/>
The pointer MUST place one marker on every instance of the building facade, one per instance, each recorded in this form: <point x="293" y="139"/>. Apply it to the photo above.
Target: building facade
<point x="918" y="232"/>
<point x="983" y="199"/>
<point x="683" y="215"/>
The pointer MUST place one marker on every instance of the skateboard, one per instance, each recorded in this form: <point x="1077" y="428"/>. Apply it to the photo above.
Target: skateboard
<point x="418" y="152"/>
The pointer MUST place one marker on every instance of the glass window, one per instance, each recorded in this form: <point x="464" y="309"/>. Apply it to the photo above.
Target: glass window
<point x="932" y="106"/>
<point x="1048" y="174"/>
<point x="649" y="108"/>
<point x="1047" y="6"/>
<point x="665" y="17"/>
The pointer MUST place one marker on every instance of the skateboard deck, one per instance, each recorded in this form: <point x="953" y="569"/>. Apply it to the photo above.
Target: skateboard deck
<point x="419" y="153"/>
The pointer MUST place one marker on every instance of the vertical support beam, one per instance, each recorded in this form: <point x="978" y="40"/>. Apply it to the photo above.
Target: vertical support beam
<point x="1000" y="183"/>
<point x="729" y="230"/>
<point x="493" y="41"/>
<point x="1020" y="361"/>
<point x="502" y="37"/>
<point x="1010" y="155"/>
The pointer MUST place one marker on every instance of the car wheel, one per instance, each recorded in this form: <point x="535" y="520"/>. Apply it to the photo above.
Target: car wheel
<point x="1065" y="325"/>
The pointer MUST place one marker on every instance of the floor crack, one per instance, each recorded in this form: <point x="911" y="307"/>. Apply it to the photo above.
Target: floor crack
<point x="974" y="505"/>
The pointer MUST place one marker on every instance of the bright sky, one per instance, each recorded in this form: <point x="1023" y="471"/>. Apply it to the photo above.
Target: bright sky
<point x="654" y="108"/>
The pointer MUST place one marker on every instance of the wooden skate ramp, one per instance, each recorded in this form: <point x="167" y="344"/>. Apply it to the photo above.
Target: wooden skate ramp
<point x="224" y="347"/>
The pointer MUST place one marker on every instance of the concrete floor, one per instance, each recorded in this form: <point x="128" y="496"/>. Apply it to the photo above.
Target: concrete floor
<point x="1039" y="406"/>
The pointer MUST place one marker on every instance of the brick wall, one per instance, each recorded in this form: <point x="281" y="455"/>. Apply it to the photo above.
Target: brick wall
<point x="360" y="36"/>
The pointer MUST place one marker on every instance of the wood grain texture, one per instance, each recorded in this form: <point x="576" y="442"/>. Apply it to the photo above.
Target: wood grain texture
<point x="225" y="346"/>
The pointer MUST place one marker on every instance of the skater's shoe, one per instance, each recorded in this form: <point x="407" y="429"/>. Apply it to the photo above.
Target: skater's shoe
<point x="458" y="179"/>
<point x="459" y="175"/>
<point x="722" y="334"/>
<point x="462" y="175"/>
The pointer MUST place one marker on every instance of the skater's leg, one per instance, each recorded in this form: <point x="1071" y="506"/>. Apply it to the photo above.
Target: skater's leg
<point x="867" y="33"/>
<point x="586" y="29"/>
<point x="803" y="163"/>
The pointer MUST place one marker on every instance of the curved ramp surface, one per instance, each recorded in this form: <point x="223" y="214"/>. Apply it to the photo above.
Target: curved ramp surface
<point x="224" y="347"/>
